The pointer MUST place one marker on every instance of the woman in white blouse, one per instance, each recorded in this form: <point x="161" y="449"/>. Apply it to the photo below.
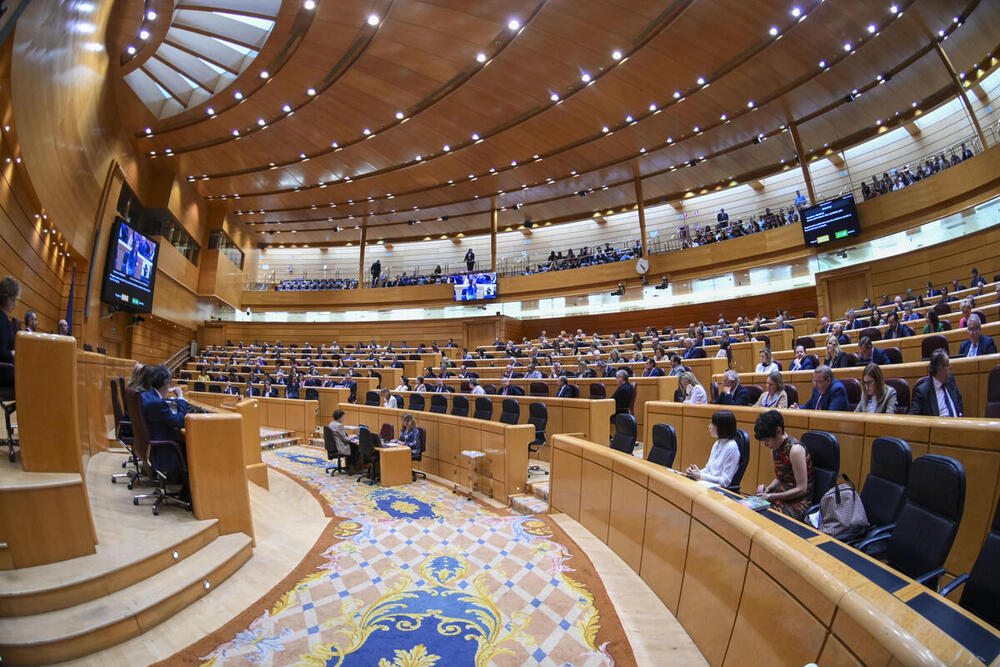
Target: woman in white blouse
<point x="725" y="456"/>
<point x="766" y="364"/>
<point x="388" y="400"/>
<point x="775" y="397"/>
<point x="693" y="391"/>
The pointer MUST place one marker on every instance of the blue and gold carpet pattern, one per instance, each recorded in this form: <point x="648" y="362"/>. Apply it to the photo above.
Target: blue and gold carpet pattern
<point x="421" y="577"/>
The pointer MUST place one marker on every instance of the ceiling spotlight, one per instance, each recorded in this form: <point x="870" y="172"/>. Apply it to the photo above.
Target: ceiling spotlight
<point x="366" y="131"/>
<point x="773" y="31"/>
<point x="723" y="117"/>
<point x="238" y="95"/>
<point x="302" y="156"/>
<point x="822" y="64"/>
<point x="151" y="15"/>
<point x="677" y="94"/>
<point x="652" y="107"/>
<point x="311" y="92"/>
<point x="131" y="50"/>
<point x="605" y="129"/>
<point x="143" y="34"/>
<point x="475" y="136"/>
<point x="628" y="119"/>
<point x="417" y="158"/>
<point x="481" y="57"/>
<point x="286" y="108"/>
<point x="513" y="24"/>
<point x="400" y="115"/>
<point x="446" y="148"/>
<point x="616" y="54"/>
<point x="701" y="81"/>
<point x="894" y="9"/>
<point x="309" y="4"/>
<point x="585" y="77"/>
<point x="872" y="28"/>
<point x="210" y="111"/>
<point x="697" y="129"/>
<point x="149" y="130"/>
<point x="373" y="19"/>
<point x="513" y="163"/>
<point x="261" y="122"/>
<point x="796" y="12"/>
<point x="750" y="104"/>
<point x="236" y="133"/>
<point x="554" y="97"/>
<point x="848" y="47"/>
<point x="264" y="74"/>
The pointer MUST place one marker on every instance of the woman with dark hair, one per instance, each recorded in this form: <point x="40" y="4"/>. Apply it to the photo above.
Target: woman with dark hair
<point x="933" y="323"/>
<point x="791" y="489"/>
<point x="877" y="397"/>
<point x="725" y="456"/>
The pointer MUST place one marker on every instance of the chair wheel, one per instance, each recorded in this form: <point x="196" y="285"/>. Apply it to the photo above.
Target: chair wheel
<point x="130" y="486"/>
<point x="113" y="480"/>
<point x="11" y="456"/>
<point x="135" y="501"/>
<point x="156" y="512"/>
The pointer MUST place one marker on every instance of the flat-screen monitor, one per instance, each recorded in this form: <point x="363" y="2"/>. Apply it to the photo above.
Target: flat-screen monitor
<point x="473" y="286"/>
<point x="129" y="269"/>
<point x="830" y="221"/>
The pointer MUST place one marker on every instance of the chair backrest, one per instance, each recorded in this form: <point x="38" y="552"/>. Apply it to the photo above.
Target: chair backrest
<point x="460" y="406"/>
<point x="814" y="359"/>
<point x="328" y="440"/>
<point x="199" y="386"/>
<point x="140" y="432"/>
<point x="872" y="333"/>
<point x="422" y="442"/>
<point x="371" y="397"/>
<point x="417" y="402"/>
<point x="792" y="392"/>
<point x="215" y="388"/>
<point x="885" y="487"/>
<point x="465" y="387"/>
<point x="511" y="411"/>
<point x="743" y="442"/>
<point x="116" y="406"/>
<point x="121" y="392"/>
<point x="993" y="394"/>
<point x="400" y="401"/>
<point x="942" y="308"/>
<point x="597" y="390"/>
<point x="981" y="315"/>
<point x="931" y="343"/>
<point x="631" y="401"/>
<point x="664" y="447"/>
<point x="853" y="388"/>
<point x="625" y="433"/>
<point x="387" y="432"/>
<point x="765" y="339"/>
<point x="927" y="524"/>
<point x="895" y="355"/>
<point x="981" y="594"/>
<point x="366" y="447"/>
<point x="538" y="389"/>
<point x="312" y="394"/>
<point x="484" y="408"/>
<point x="755" y="392"/>
<point x="902" y="388"/>
<point x="254" y="391"/>
<point x="809" y="313"/>
<point x="538" y="416"/>
<point x="490" y="389"/>
<point x="824" y="449"/>
<point x="946" y="325"/>
<point x="439" y="404"/>
<point x="806" y="342"/>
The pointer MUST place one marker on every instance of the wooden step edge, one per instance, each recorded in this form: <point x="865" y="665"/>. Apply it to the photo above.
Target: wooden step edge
<point x="26" y="603"/>
<point x="141" y="620"/>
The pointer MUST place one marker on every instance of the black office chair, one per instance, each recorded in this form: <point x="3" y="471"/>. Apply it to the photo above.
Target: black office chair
<point x="931" y="343"/>
<point x="538" y="416"/>
<point x="625" y="434"/>
<point x="824" y="449"/>
<point x="925" y="530"/>
<point x="743" y="442"/>
<point x="664" y="447"/>
<point x="806" y="342"/>
<point x="312" y="394"/>
<point x="400" y="401"/>
<point x="792" y="392"/>
<point x="460" y="406"/>
<point x="163" y="457"/>
<point x="254" y="391"/>
<point x="199" y="386"/>
<point x="510" y="412"/>
<point x="123" y="434"/>
<point x="853" y="389"/>
<point x="981" y="594"/>
<point x="367" y="456"/>
<point x="215" y="388"/>
<point x="885" y="487"/>
<point x="439" y="404"/>
<point x="371" y="398"/>
<point x="419" y="455"/>
<point x="417" y="402"/>
<point x="484" y="408"/>
<point x="332" y="453"/>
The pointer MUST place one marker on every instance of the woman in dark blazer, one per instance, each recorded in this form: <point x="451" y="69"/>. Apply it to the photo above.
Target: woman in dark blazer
<point x="10" y="290"/>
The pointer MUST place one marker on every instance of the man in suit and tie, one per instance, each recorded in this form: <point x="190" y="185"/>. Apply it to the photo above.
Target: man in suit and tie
<point x="977" y="344"/>
<point x="801" y="362"/>
<point x="930" y="291"/>
<point x="692" y="351"/>
<point x="732" y="392"/>
<point x="508" y="389"/>
<point x="869" y="354"/>
<point x="852" y="322"/>
<point x="439" y="386"/>
<point x="828" y="393"/>
<point x="651" y="370"/>
<point x="838" y="331"/>
<point x="937" y="394"/>
<point x="896" y="329"/>
<point x="824" y="325"/>
<point x="564" y="388"/>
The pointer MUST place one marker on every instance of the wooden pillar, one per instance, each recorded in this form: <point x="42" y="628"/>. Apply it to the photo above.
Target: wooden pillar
<point x="803" y="163"/>
<point x="640" y="207"/>
<point x="493" y="234"/>
<point x="946" y="61"/>
<point x="362" y="274"/>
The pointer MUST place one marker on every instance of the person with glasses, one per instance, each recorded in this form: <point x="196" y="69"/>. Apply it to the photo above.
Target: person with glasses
<point x="937" y="394"/>
<point x="877" y="397"/>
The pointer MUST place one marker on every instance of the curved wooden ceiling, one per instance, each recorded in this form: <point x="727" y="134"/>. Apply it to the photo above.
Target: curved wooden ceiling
<point x="402" y="111"/>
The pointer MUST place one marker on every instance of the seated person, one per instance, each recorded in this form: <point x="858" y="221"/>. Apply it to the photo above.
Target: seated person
<point x="163" y="421"/>
<point x="791" y="490"/>
<point x="404" y="384"/>
<point x="692" y="351"/>
<point x="828" y="393"/>
<point x="230" y="389"/>
<point x="909" y="315"/>
<point x="409" y="435"/>
<point x="651" y="370"/>
<point x="977" y="344"/>
<point x="564" y="389"/>
<point x="341" y="442"/>
<point x="877" y="397"/>
<point x="801" y="362"/>
<point x="775" y="396"/>
<point x="869" y="354"/>
<point x="693" y="391"/>
<point x="476" y="389"/>
<point x="896" y="329"/>
<point x="439" y="387"/>
<point x="766" y="364"/>
<point x="731" y="392"/>
<point x="934" y="324"/>
<point x="676" y="365"/>
<point x="420" y="386"/>
<point x="937" y="395"/>
<point x="725" y="456"/>
<point x="533" y="373"/>
<point x="269" y="391"/>
<point x="388" y="400"/>
<point x="508" y="389"/>
<point x="838" y="333"/>
<point x="835" y="357"/>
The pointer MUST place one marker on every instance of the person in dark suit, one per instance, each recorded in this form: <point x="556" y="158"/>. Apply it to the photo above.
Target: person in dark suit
<point x="732" y="392"/>
<point x="977" y="344"/>
<point x="930" y="291"/>
<point x="828" y="392"/>
<point x="651" y="370"/>
<point x="10" y="290"/>
<point x="977" y="279"/>
<point x="623" y="394"/>
<point x="852" y="322"/>
<point x="801" y="362"/>
<point x="438" y="387"/>
<point x="508" y="389"/>
<point x="692" y="351"/>
<point x="937" y="394"/>
<point x="838" y="332"/>
<point x="564" y="388"/>
<point x="163" y="421"/>
<point x="896" y="329"/>
<point x="869" y="354"/>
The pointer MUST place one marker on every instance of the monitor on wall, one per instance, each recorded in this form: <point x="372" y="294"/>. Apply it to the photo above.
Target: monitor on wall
<point x="831" y="220"/>
<point x="475" y="286"/>
<point x="129" y="269"/>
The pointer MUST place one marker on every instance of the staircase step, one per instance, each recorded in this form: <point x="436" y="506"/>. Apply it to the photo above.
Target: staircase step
<point x="91" y="626"/>
<point x="523" y="503"/>
<point x="279" y="443"/>
<point x="540" y="489"/>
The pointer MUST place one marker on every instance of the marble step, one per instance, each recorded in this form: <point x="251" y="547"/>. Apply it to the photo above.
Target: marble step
<point x="279" y="443"/>
<point x="91" y="626"/>
<point x="523" y="503"/>
<point x="540" y="489"/>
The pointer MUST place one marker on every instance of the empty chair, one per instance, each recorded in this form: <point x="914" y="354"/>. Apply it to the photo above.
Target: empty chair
<point x="981" y="594"/>
<point x="853" y="388"/>
<point x="460" y="406"/>
<point x="367" y="456"/>
<point x="387" y="432"/>
<point x="895" y="355"/>
<point x="993" y="394"/>
<point x="312" y="394"/>
<point x="465" y="387"/>
<point x="942" y="308"/>
<point x="510" y="412"/>
<point x="902" y="394"/>
<point x="755" y="392"/>
<point x="215" y="388"/>
<point x="872" y="333"/>
<point x="743" y="442"/>
<point x="927" y="525"/>
<point x="199" y="386"/>
<point x="484" y="408"/>
<point x="714" y="388"/>
<point x="809" y="313"/>
<point x="490" y="389"/>
<point x="597" y="390"/>
<point x="400" y="401"/>
<point x="792" y="393"/>
<point x="806" y="342"/>
<point x="538" y="416"/>
<point x="931" y="343"/>
<point x="538" y="389"/>
<point x="439" y="404"/>
<point x="885" y="487"/>
<point x="981" y="314"/>
<point x="418" y="454"/>
<point x="371" y="397"/>
<point x="764" y="339"/>
<point x="123" y="433"/>
<point x="824" y="449"/>
<point x="625" y="434"/>
<point x="664" y="447"/>
<point x="417" y="402"/>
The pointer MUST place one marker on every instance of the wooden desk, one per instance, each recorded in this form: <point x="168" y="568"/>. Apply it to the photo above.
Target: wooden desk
<point x="394" y="465"/>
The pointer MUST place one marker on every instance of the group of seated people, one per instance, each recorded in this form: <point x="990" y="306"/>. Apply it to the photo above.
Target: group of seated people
<point x="302" y="284"/>
<point x="907" y="175"/>
<point x="724" y="229"/>
<point x="344" y="445"/>
<point x="586" y="256"/>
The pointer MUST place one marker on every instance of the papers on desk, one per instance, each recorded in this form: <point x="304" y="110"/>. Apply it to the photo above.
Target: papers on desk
<point x="755" y="503"/>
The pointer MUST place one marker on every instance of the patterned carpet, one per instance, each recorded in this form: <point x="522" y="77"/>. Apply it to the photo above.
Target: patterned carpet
<point x="420" y="577"/>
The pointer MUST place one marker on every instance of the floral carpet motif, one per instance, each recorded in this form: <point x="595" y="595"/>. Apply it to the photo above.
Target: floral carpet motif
<point x="421" y="577"/>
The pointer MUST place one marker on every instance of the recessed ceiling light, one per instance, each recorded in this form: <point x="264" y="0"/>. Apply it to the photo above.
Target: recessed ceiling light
<point x="143" y="34"/>
<point x="151" y="15"/>
<point x="848" y="46"/>
<point x="605" y="129"/>
<point x="701" y="81"/>
<point x="236" y="133"/>
<point x="210" y="111"/>
<point x="585" y="77"/>
<point x="750" y="104"/>
<point x="871" y="28"/>
<point x="894" y="9"/>
<point x="366" y="131"/>
<point x="418" y="158"/>
<point x="309" y="4"/>
<point x="773" y="31"/>
<point x="513" y="24"/>
<point x="131" y="50"/>
<point x="302" y="156"/>
<point x="697" y="129"/>
<point x="446" y="148"/>
<point x="796" y="12"/>
<point x="334" y="144"/>
<point x="286" y="108"/>
<point x="628" y="119"/>
<point x="513" y="163"/>
<point x="822" y="63"/>
<point x="475" y="136"/>
<point x="264" y="74"/>
<point x="616" y="54"/>
<point x="677" y="94"/>
<point x="311" y="92"/>
<point x="400" y="115"/>
<point x="554" y="97"/>
<point x="238" y="95"/>
<point x="481" y="57"/>
<point x="723" y="117"/>
<point x="261" y="122"/>
<point x="652" y="107"/>
<point x="149" y="130"/>
<point x="373" y="19"/>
